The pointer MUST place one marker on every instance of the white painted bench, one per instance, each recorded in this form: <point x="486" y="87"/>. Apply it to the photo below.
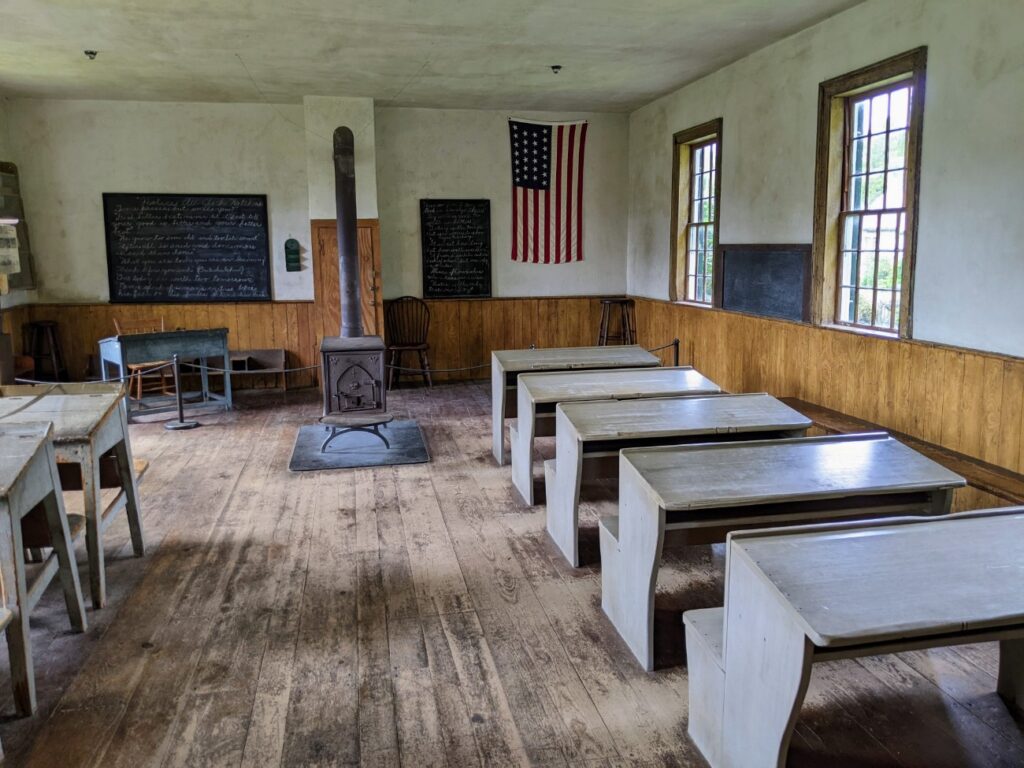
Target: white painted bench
<point x="506" y="365"/>
<point x="801" y="595"/>
<point x="539" y="393"/>
<point x="589" y="436"/>
<point x="706" y="491"/>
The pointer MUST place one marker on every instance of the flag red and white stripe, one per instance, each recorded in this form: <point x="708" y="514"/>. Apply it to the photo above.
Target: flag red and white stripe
<point x="547" y="191"/>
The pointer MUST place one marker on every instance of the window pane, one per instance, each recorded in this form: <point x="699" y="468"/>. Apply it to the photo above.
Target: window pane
<point x="883" y="309"/>
<point x="866" y="279"/>
<point x="849" y="261"/>
<point x="860" y="117"/>
<point x="858" y="187"/>
<point x="699" y="295"/>
<point x="885" y="269"/>
<point x="864" y="308"/>
<point x="690" y="287"/>
<point x="846" y="305"/>
<point x="879" y="112"/>
<point x="894" y="193"/>
<point x="851" y="233"/>
<point x="876" y="191"/>
<point x="887" y="234"/>
<point x="869" y="232"/>
<point x="692" y="238"/>
<point x="859" y="161"/>
<point x="899" y="108"/>
<point x="897" y="149"/>
<point x="876" y="161"/>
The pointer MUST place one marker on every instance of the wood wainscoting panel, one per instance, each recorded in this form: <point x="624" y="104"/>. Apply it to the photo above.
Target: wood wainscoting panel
<point x="968" y="401"/>
<point x="463" y="332"/>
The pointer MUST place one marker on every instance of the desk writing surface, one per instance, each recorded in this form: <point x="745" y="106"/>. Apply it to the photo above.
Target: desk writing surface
<point x="575" y="357"/>
<point x="699" y="415"/>
<point x="74" y="417"/>
<point x="905" y="579"/>
<point x="139" y="348"/>
<point x="615" y="383"/>
<point x="737" y="474"/>
<point x="18" y="444"/>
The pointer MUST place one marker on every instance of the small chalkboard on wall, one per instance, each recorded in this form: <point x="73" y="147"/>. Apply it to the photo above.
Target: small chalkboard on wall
<point x="187" y="248"/>
<point x="769" y="280"/>
<point x="456" y="240"/>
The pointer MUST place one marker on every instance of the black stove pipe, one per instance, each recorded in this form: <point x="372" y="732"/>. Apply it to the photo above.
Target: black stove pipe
<point x="348" y="240"/>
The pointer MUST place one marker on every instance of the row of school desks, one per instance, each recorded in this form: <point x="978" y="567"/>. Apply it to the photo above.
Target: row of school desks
<point x="837" y="546"/>
<point x="57" y="438"/>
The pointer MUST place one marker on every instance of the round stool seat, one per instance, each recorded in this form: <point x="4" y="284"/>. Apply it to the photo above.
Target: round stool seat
<point x="350" y="420"/>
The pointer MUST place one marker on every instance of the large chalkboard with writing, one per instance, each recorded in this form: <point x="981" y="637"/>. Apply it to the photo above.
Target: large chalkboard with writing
<point x="456" y="238"/>
<point x="183" y="248"/>
<point x="771" y="280"/>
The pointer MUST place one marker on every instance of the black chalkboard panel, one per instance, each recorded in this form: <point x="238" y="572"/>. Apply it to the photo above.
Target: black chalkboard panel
<point x="456" y="238"/>
<point x="771" y="280"/>
<point x="183" y="248"/>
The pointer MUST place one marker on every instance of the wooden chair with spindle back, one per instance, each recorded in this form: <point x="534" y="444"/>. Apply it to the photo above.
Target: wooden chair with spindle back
<point x="406" y="326"/>
<point x="136" y="370"/>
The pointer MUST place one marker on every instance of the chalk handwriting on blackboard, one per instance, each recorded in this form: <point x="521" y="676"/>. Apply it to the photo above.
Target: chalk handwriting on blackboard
<point x="456" y="240"/>
<point x="187" y="247"/>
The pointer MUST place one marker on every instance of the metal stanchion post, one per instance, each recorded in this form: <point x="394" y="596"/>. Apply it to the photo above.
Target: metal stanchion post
<point x="180" y="423"/>
<point x="675" y="352"/>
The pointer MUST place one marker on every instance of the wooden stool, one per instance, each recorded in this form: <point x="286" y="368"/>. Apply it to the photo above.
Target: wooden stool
<point x="627" y="321"/>
<point x="41" y="342"/>
<point x="342" y="423"/>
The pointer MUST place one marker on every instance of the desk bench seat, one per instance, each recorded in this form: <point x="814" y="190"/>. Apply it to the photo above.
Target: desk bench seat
<point x="798" y="596"/>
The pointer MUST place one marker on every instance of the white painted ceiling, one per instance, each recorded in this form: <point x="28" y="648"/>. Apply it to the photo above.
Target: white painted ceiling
<point x="616" y="54"/>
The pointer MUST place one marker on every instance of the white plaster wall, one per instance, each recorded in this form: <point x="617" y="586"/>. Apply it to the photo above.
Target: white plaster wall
<point x="322" y="115"/>
<point x="970" y="270"/>
<point x="432" y="153"/>
<point x="70" y="152"/>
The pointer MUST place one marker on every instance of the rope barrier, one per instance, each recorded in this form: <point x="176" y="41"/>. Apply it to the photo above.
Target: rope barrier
<point x="119" y="380"/>
<point x="214" y="369"/>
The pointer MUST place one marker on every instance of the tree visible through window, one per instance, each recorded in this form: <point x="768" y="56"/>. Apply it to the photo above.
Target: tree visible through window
<point x="874" y="207"/>
<point x="700" y="231"/>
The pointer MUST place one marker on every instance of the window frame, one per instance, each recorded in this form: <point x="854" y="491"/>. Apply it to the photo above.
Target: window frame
<point x="697" y="136"/>
<point x="831" y="176"/>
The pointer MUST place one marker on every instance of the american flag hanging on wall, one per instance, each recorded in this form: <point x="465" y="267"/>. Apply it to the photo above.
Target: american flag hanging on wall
<point x="547" y="191"/>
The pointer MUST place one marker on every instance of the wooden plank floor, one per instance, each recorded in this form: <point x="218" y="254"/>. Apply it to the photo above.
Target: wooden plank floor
<point x="414" y="616"/>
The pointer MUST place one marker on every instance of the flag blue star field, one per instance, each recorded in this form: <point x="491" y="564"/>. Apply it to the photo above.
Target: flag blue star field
<point x="547" y="191"/>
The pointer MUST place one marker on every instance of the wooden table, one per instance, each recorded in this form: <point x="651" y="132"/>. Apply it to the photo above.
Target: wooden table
<point x="118" y="352"/>
<point x="817" y="593"/>
<point x="506" y="365"/>
<point x="539" y="393"/>
<point x="28" y="478"/>
<point x="89" y="421"/>
<point x="708" y="490"/>
<point x="589" y="436"/>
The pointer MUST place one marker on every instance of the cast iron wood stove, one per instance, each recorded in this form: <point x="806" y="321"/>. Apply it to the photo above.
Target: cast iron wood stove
<point x="351" y="365"/>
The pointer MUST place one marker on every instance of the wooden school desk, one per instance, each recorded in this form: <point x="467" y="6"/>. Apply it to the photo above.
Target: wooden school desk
<point x="28" y="477"/>
<point x="539" y="393"/>
<point x="118" y="352"/>
<point x="89" y="420"/>
<point x="506" y="365"/>
<point x="709" y="490"/>
<point x="589" y="436"/>
<point x="801" y="595"/>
